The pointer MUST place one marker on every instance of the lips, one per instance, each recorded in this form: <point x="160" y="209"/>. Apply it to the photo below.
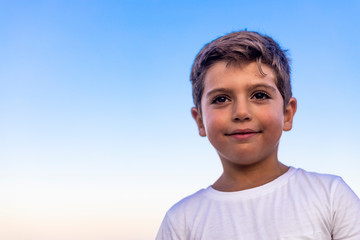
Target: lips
<point x="242" y="134"/>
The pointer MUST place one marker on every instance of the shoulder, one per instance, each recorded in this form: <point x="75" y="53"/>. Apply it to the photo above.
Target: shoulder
<point x="188" y="204"/>
<point x="315" y="175"/>
<point x="333" y="187"/>
<point x="318" y="180"/>
<point x="335" y="199"/>
<point x="323" y="189"/>
<point x="342" y="202"/>
<point x="176" y="222"/>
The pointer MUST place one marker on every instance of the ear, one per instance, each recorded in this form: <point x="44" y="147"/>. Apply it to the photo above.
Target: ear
<point x="199" y="122"/>
<point x="290" y="111"/>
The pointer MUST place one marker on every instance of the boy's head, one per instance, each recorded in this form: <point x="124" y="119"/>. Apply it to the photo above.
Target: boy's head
<point x="242" y="47"/>
<point x="242" y="93"/>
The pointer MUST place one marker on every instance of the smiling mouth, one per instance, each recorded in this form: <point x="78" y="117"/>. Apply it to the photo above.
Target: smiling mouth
<point x="242" y="134"/>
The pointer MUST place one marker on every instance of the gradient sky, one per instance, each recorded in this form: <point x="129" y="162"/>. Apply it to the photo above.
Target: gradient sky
<point x="97" y="140"/>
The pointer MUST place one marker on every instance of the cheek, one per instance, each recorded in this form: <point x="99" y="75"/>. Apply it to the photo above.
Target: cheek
<point x="273" y="120"/>
<point x="213" y="124"/>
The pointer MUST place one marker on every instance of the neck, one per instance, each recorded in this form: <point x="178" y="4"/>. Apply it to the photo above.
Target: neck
<point x="237" y="178"/>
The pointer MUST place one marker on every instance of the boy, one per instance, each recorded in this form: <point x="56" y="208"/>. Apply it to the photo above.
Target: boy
<point x="243" y="102"/>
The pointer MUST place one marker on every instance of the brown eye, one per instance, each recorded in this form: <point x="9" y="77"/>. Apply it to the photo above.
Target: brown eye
<point x="220" y="99"/>
<point x="261" y="95"/>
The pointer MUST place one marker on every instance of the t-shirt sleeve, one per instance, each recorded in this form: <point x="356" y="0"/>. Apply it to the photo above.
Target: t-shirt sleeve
<point x="168" y="231"/>
<point x="346" y="213"/>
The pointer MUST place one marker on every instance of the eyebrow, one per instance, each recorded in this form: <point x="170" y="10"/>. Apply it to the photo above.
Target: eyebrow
<point x="262" y="85"/>
<point x="251" y="88"/>
<point x="223" y="90"/>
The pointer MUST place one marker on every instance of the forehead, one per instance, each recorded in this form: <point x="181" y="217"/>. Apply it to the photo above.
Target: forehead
<point x="242" y="74"/>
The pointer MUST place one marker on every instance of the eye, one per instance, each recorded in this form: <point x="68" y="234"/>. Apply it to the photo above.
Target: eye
<point x="260" y="95"/>
<point x="220" y="99"/>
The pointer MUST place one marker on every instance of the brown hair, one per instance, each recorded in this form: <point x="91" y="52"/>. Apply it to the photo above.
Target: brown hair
<point x="242" y="46"/>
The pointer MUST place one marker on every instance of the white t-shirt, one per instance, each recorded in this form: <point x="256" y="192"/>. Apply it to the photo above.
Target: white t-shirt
<point x="298" y="205"/>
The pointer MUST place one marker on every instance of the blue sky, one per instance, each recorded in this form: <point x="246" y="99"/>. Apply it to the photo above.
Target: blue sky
<point x="97" y="140"/>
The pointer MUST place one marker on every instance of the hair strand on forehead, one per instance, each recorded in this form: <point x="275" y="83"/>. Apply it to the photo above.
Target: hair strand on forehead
<point x="258" y="61"/>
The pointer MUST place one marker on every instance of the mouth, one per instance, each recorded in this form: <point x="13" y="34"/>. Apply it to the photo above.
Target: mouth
<point x="242" y="134"/>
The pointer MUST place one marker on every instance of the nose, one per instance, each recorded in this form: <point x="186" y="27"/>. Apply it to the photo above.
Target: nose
<point x="241" y="111"/>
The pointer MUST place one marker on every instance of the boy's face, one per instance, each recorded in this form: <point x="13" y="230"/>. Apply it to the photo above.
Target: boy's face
<point x="242" y="113"/>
